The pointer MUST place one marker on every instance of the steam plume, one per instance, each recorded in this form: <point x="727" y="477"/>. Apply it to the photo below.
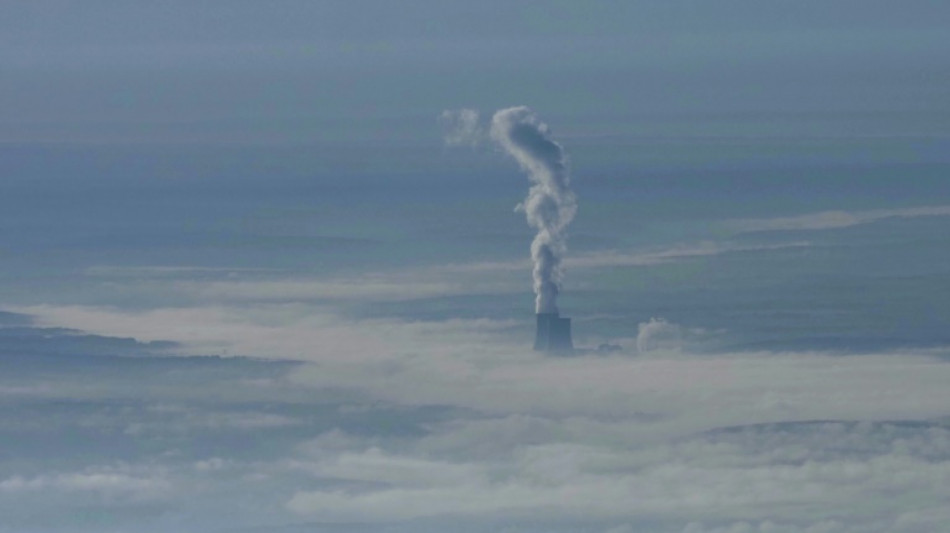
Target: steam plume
<point x="550" y="205"/>
<point x="461" y="127"/>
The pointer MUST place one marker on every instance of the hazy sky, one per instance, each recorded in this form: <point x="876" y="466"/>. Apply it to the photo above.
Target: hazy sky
<point x="253" y="280"/>
<point x="303" y="71"/>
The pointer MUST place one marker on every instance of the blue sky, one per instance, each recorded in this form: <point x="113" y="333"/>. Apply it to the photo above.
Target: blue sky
<point x="251" y="282"/>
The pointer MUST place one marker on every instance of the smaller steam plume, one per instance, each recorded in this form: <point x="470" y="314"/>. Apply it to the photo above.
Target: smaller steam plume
<point x="461" y="127"/>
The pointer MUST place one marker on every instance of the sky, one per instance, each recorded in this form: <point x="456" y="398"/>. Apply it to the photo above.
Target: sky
<point x="267" y="267"/>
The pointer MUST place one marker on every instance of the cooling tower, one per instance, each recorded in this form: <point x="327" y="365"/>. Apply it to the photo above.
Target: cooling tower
<point x="553" y="334"/>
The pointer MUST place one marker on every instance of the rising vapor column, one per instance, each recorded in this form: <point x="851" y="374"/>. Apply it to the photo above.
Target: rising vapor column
<point x="550" y="205"/>
<point x="549" y="208"/>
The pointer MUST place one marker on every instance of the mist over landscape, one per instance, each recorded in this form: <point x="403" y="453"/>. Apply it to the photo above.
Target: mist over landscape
<point x="275" y="267"/>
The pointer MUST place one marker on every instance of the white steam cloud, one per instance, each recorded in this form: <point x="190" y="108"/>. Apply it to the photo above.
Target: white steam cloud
<point x="550" y="205"/>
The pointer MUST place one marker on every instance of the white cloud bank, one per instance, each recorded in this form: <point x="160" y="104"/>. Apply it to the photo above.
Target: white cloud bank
<point x="470" y="364"/>
<point x="768" y="478"/>
<point x="603" y="440"/>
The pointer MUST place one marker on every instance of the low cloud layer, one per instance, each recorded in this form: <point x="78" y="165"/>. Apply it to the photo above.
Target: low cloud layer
<point x="372" y="408"/>
<point x="417" y="425"/>
<point x="755" y="474"/>
<point x="468" y="364"/>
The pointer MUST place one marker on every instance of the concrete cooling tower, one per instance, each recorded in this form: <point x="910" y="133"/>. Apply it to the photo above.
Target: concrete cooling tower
<point x="553" y="334"/>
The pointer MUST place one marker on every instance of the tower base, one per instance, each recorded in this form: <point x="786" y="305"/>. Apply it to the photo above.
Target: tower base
<point x="553" y="334"/>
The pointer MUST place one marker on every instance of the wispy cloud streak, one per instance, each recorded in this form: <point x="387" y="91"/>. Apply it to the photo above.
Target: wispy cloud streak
<point x="833" y="219"/>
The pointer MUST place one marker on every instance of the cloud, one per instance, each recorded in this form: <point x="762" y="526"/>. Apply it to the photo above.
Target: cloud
<point x="740" y="475"/>
<point x="376" y="466"/>
<point x="614" y="258"/>
<point x="184" y="284"/>
<point x="280" y="331"/>
<point x="618" y="258"/>
<point x="833" y="219"/>
<point x="769" y="526"/>
<point x="212" y="287"/>
<point x="151" y="271"/>
<point x="445" y="422"/>
<point x="652" y="333"/>
<point x="39" y="389"/>
<point x="370" y="287"/>
<point x="123" y="483"/>
<point x="175" y="418"/>
<point x="461" y="127"/>
<point x="670" y="439"/>
<point x="473" y="363"/>
<point x="923" y="519"/>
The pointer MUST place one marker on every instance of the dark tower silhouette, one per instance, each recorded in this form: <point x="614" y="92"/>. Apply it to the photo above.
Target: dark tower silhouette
<point x="553" y="334"/>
